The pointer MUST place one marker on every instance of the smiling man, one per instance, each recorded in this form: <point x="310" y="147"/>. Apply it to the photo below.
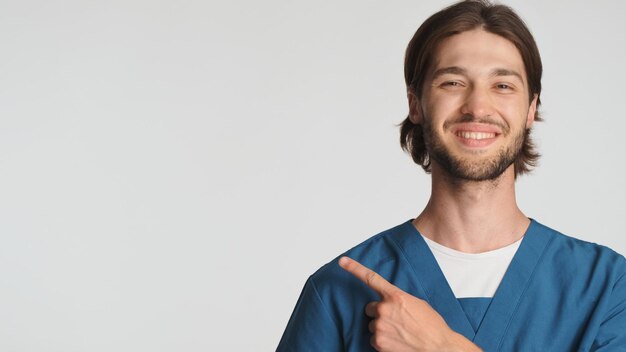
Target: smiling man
<point x="471" y="272"/>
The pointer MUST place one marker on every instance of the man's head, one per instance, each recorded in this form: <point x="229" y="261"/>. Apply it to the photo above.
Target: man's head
<point x="473" y="75"/>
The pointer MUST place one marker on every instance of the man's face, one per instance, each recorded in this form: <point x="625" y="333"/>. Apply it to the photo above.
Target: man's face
<point x="475" y="106"/>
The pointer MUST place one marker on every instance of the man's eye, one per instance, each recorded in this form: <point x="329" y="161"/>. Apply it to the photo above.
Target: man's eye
<point x="451" y="84"/>
<point x="503" y="86"/>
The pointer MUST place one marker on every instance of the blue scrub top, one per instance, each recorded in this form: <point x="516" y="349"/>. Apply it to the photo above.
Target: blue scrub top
<point x="558" y="294"/>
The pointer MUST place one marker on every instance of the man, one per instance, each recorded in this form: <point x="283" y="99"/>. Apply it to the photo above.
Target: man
<point x="471" y="272"/>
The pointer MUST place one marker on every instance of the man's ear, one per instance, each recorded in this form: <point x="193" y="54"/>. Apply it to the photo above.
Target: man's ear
<point x="532" y="111"/>
<point x="415" y="111"/>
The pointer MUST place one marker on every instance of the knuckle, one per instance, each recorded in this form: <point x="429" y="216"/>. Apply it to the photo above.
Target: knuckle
<point x="372" y="326"/>
<point x="370" y="277"/>
<point x="370" y="308"/>
<point x="378" y="325"/>
<point x="377" y="342"/>
<point x="396" y="297"/>
<point x="382" y="308"/>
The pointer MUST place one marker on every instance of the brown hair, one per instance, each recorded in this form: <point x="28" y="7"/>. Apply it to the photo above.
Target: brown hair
<point x="455" y="19"/>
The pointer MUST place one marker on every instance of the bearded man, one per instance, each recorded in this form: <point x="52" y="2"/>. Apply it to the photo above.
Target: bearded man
<point x="471" y="272"/>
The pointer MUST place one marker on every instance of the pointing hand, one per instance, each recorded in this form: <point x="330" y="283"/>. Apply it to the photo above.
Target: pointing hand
<point x="402" y="322"/>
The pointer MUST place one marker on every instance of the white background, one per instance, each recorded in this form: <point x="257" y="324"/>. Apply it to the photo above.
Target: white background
<point x="172" y="171"/>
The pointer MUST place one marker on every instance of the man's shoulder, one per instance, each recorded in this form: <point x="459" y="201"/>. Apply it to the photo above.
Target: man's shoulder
<point x="574" y="243"/>
<point x="577" y="251"/>
<point x="375" y="252"/>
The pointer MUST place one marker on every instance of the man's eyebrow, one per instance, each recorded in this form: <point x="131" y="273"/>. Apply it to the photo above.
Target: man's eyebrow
<point x="506" y="72"/>
<point x="455" y="70"/>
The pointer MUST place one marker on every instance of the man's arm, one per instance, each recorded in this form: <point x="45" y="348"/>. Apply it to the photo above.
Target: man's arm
<point x="612" y="333"/>
<point x="310" y="328"/>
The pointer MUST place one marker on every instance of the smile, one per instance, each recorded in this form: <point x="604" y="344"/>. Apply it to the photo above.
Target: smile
<point x="475" y="135"/>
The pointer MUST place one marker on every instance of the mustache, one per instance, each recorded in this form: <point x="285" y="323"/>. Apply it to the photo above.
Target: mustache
<point x="487" y="120"/>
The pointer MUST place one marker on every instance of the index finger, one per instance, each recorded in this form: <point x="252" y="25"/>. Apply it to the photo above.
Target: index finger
<point x="368" y="276"/>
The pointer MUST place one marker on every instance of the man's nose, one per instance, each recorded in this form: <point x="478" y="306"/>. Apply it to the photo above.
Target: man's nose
<point x="478" y="103"/>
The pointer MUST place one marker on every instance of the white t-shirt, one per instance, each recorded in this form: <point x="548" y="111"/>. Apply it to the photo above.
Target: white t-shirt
<point x="473" y="274"/>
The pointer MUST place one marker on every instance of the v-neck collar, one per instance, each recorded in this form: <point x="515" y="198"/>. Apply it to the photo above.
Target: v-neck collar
<point x="439" y="295"/>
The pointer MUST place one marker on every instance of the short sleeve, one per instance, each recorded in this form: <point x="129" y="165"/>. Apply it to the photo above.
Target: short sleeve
<point x="612" y="333"/>
<point x="310" y="328"/>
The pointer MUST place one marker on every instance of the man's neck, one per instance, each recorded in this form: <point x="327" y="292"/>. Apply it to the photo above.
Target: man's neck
<point x="472" y="217"/>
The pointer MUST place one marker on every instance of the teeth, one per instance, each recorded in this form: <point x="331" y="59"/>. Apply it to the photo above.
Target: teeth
<point x="475" y="135"/>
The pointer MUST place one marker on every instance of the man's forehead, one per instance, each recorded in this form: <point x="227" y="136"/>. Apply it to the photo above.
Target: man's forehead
<point x="478" y="50"/>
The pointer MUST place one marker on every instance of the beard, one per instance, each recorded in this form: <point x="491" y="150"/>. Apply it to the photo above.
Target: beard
<point x="467" y="169"/>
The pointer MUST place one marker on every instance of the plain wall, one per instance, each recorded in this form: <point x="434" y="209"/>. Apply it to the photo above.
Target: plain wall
<point x="172" y="171"/>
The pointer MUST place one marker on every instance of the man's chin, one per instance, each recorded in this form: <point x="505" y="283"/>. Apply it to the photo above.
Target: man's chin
<point x="466" y="171"/>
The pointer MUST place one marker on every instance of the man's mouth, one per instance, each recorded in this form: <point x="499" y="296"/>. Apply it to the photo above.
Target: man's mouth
<point x="475" y="135"/>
